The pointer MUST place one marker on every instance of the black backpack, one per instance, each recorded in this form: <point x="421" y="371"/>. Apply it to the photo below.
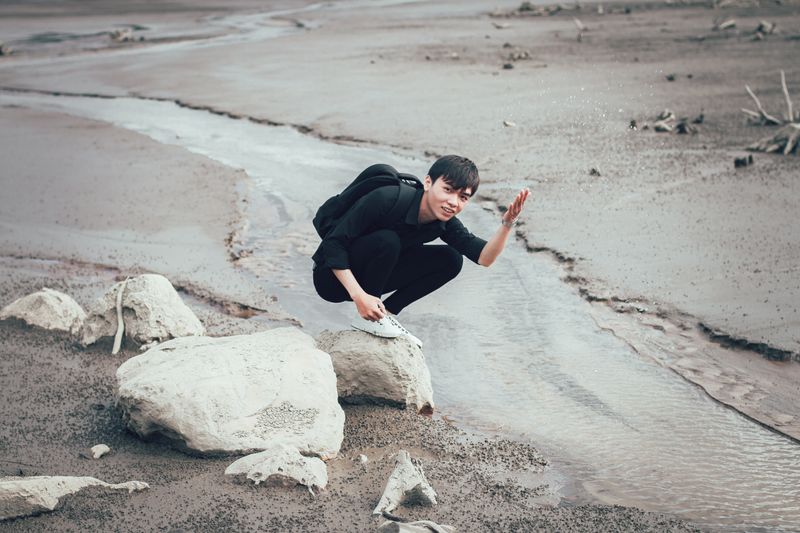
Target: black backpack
<point x="373" y="177"/>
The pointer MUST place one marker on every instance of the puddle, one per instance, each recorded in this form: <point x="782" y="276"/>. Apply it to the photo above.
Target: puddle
<point x="512" y="350"/>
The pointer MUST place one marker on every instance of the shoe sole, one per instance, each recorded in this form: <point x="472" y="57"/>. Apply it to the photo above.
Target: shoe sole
<point x="374" y="333"/>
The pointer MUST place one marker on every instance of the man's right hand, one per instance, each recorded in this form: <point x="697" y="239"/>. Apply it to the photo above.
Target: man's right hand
<point x="369" y="307"/>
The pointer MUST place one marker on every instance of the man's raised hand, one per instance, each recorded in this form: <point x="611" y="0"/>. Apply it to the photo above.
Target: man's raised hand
<point x="515" y="207"/>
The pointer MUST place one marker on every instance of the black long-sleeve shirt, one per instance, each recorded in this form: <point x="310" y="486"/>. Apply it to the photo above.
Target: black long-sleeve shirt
<point x="370" y="213"/>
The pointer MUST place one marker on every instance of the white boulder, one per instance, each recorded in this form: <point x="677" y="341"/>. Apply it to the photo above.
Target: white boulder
<point x="48" y="309"/>
<point x="370" y="368"/>
<point x="26" y="496"/>
<point x="151" y="309"/>
<point x="406" y="485"/>
<point x="235" y="394"/>
<point x="281" y="465"/>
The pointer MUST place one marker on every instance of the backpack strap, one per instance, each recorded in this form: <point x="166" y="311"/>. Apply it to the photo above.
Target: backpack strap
<point x="405" y="195"/>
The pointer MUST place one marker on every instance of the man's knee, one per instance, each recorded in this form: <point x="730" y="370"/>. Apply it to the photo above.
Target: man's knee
<point x="452" y="260"/>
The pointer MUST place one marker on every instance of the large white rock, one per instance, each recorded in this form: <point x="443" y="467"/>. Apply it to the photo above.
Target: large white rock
<point x="406" y="485"/>
<point x="235" y="394"/>
<point x="25" y="496"/>
<point x="151" y="309"/>
<point x="370" y="368"/>
<point x="47" y="309"/>
<point x="282" y="465"/>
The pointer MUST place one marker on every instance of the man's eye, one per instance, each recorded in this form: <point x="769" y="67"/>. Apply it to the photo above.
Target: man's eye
<point x="464" y="198"/>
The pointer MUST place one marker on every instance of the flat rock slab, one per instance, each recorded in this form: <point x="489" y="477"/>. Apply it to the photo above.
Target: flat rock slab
<point x="281" y="465"/>
<point x="48" y="309"/>
<point x="26" y="496"/>
<point x="151" y="309"/>
<point x="374" y="369"/>
<point x="237" y="394"/>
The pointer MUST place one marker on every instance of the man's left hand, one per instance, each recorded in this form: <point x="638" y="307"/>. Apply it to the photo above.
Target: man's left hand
<point x="515" y="207"/>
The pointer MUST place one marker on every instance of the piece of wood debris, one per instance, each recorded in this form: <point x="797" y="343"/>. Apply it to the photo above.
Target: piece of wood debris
<point x="509" y="124"/>
<point x="724" y="24"/>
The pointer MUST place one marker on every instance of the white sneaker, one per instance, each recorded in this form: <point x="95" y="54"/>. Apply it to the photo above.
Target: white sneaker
<point x="380" y="328"/>
<point x="407" y="333"/>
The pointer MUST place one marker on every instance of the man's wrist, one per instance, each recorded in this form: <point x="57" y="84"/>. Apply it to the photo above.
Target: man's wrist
<point x="508" y="224"/>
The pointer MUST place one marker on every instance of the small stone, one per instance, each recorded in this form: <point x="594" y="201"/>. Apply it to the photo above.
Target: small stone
<point x="507" y="66"/>
<point x="99" y="450"/>
<point x="509" y="124"/>
<point x="594" y="172"/>
<point x="670" y="77"/>
<point x="740" y="162"/>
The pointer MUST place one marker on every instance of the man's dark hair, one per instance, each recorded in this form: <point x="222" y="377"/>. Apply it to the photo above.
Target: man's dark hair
<point x="459" y="172"/>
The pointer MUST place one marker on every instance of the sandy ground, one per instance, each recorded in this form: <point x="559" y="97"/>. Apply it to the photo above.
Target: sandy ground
<point x="58" y="400"/>
<point x="668" y="224"/>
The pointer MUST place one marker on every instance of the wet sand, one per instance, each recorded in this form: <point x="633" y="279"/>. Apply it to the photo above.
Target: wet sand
<point x="668" y="225"/>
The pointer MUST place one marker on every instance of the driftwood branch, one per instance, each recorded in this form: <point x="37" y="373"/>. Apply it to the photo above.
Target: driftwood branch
<point x="769" y="119"/>
<point x="788" y="99"/>
<point x="120" y="321"/>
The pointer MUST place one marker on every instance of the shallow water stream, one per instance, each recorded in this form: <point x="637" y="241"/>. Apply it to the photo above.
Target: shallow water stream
<point x="512" y="350"/>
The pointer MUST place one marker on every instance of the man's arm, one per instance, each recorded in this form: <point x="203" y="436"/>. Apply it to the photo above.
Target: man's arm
<point x="369" y="307"/>
<point x="498" y="241"/>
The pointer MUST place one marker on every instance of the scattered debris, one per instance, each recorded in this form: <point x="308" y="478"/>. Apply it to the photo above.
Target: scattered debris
<point x="123" y="35"/>
<point x="99" y="450"/>
<point x="766" y="28"/>
<point x="581" y="28"/>
<point x="761" y="117"/>
<point x="509" y="124"/>
<point x="683" y="126"/>
<point x="5" y="50"/>
<point x="670" y="77"/>
<point x="594" y="172"/>
<point x="600" y="10"/>
<point x="507" y="66"/>
<point x="501" y="25"/>
<point x="662" y="126"/>
<point x="744" y="161"/>
<point x="723" y="24"/>
<point x="519" y="55"/>
<point x="667" y="122"/>
<point x="784" y="141"/>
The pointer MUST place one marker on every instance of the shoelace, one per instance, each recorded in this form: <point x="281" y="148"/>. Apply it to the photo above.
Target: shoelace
<point x="398" y="324"/>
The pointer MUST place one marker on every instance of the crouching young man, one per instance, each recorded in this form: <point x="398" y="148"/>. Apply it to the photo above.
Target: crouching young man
<point x="370" y="251"/>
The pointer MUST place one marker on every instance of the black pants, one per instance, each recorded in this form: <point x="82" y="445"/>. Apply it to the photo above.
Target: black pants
<point x="381" y="266"/>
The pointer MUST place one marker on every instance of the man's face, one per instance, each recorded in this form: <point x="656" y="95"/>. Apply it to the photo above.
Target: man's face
<point x="444" y="201"/>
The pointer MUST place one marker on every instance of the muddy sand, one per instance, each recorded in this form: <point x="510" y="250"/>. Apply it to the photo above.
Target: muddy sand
<point x="665" y="235"/>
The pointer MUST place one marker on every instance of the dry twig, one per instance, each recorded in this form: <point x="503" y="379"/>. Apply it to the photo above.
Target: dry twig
<point x="766" y="117"/>
<point x="790" y="116"/>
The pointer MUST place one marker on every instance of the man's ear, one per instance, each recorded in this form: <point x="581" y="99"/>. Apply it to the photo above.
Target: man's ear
<point x="427" y="182"/>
